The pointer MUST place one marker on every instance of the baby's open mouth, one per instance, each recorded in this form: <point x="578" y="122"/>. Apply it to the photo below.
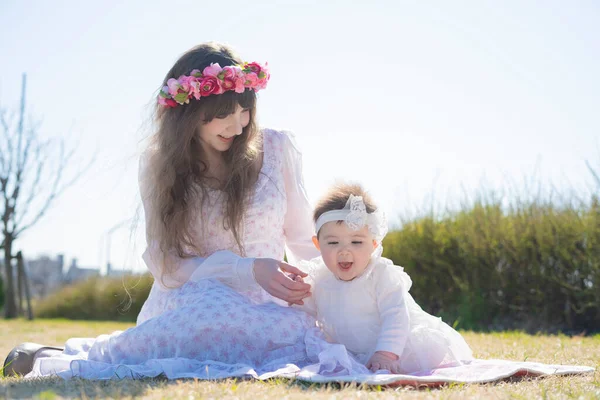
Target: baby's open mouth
<point x="345" y="265"/>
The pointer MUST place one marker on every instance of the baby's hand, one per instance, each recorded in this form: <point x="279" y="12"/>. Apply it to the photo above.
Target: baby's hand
<point x="295" y="278"/>
<point x="384" y="360"/>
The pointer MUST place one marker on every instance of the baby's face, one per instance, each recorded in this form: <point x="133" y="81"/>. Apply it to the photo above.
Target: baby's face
<point x="345" y="252"/>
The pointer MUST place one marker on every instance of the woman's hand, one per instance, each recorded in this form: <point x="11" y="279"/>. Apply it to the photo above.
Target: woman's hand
<point x="270" y="275"/>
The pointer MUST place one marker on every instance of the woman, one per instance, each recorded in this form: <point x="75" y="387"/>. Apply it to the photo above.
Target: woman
<point x="223" y="200"/>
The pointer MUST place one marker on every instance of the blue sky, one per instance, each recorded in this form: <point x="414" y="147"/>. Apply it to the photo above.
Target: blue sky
<point x="409" y="98"/>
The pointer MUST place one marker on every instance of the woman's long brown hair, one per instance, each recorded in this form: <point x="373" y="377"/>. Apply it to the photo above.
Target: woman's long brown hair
<point x="178" y="172"/>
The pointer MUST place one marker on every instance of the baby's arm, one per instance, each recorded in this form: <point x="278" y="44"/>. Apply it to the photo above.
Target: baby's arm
<point x="395" y="320"/>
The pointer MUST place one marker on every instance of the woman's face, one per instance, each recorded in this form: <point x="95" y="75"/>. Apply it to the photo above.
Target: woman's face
<point x="218" y="134"/>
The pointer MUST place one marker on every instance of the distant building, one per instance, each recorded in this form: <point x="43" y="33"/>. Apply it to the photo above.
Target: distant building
<point x="76" y="273"/>
<point x="45" y="275"/>
<point x="111" y="272"/>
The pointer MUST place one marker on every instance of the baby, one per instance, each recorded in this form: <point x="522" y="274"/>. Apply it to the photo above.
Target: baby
<point x="361" y="299"/>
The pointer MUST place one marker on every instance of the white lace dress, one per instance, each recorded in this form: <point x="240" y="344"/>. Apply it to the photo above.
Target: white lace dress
<point x="211" y="319"/>
<point x="375" y="312"/>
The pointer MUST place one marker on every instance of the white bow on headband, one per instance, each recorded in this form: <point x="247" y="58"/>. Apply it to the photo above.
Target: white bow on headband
<point x="355" y="215"/>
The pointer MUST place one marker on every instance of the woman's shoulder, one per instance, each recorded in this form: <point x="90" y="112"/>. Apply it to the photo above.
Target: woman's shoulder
<point x="276" y="133"/>
<point x="283" y="139"/>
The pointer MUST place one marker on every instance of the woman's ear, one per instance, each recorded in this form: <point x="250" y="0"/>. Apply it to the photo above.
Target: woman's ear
<point x="316" y="242"/>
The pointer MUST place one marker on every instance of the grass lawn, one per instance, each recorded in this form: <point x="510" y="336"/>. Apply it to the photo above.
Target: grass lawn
<point x="511" y="346"/>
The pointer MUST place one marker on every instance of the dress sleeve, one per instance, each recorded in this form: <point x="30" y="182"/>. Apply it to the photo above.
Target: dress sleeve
<point x="225" y="266"/>
<point x="298" y="225"/>
<point x="390" y="291"/>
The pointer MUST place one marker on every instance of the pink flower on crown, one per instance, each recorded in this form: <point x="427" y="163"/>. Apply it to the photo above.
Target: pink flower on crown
<point x="173" y="86"/>
<point x="179" y="89"/>
<point x="251" y="79"/>
<point x="240" y="80"/>
<point x="167" y="102"/>
<point x="212" y="70"/>
<point x="184" y="83"/>
<point x="254" y="67"/>
<point x="227" y="84"/>
<point x="240" y="86"/>
<point x="233" y="78"/>
<point x="210" y="85"/>
<point x="261" y="84"/>
<point x="263" y="76"/>
<point x="195" y="88"/>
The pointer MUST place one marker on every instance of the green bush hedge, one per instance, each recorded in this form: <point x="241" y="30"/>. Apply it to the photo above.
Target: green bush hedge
<point x="116" y="299"/>
<point x="532" y="266"/>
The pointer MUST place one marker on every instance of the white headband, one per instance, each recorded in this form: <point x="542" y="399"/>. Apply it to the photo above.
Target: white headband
<point x="355" y="215"/>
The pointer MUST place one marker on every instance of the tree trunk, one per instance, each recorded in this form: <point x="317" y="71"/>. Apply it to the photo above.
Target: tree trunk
<point x="24" y="285"/>
<point x="10" y="307"/>
<point x="19" y="290"/>
<point x="1" y="293"/>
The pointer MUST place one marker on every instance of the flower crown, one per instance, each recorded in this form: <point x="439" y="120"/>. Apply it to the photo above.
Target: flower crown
<point x="214" y="79"/>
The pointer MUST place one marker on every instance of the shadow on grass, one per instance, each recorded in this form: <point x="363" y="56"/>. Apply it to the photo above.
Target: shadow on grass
<point x="51" y="388"/>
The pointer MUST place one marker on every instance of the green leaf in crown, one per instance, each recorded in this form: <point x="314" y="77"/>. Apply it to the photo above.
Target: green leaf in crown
<point x="181" y="97"/>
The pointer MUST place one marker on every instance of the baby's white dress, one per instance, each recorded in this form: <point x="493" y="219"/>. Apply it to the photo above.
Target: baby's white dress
<point x="375" y="312"/>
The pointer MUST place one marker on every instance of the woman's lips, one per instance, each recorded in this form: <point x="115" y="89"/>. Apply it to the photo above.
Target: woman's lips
<point x="226" y="140"/>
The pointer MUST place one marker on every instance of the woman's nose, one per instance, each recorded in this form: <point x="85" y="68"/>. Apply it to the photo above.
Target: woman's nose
<point x="237" y="126"/>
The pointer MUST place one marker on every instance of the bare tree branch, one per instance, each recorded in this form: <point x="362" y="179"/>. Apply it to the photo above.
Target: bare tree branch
<point x="56" y="191"/>
<point x="28" y="182"/>
<point x="9" y="143"/>
<point x="33" y="191"/>
<point x="29" y="140"/>
<point x="2" y="156"/>
<point x="21" y="120"/>
<point x="21" y="172"/>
